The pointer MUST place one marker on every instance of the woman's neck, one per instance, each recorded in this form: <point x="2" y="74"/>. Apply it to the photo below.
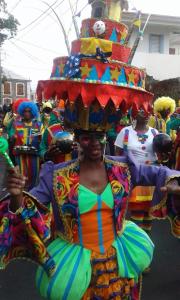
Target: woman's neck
<point x="93" y="164"/>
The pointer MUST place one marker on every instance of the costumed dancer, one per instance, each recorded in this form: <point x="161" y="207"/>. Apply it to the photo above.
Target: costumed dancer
<point x="24" y="137"/>
<point x="164" y="107"/>
<point x="95" y="253"/>
<point x="175" y="125"/>
<point x="50" y="150"/>
<point x="49" y="116"/>
<point x="138" y="140"/>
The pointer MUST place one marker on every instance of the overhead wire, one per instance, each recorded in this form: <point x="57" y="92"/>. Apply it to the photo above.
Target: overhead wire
<point x="41" y="19"/>
<point x="43" y="13"/>
<point x="34" y="45"/>
<point x="30" y="56"/>
<point x="15" y="6"/>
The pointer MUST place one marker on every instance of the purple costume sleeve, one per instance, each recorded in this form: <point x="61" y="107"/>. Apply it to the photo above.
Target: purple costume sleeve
<point x="43" y="192"/>
<point x="162" y="206"/>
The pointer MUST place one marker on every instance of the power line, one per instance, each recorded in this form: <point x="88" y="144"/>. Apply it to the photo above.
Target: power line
<point x="46" y="15"/>
<point x="14" y="7"/>
<point x="34" y="45"/>
<point x="33" y="58"/>
<point x="27" y="67"/>
<point x="43" y="13"/>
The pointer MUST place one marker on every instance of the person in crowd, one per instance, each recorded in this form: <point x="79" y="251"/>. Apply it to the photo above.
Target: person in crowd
<point x="164" y="107"/>
<point x="48" y="116"/>
<point x="95" y="253"/>
<point x="24" y="138"/>
<point x="138" y="139"/>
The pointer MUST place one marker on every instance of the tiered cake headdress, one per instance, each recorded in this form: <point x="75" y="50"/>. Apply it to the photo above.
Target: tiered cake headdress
<point x="95" y="81"/>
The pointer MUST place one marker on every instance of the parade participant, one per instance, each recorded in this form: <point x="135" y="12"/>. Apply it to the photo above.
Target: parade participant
<point x="97" y="254"/>
<point x="175" y="125"/>
<point x="138" y="139"/>
<point x="49" y="116"/>
<point x="164" y="107"/>
<point x="94" y="253"/>
<point x="49" y="150"/>
<point x="24" y="137"/>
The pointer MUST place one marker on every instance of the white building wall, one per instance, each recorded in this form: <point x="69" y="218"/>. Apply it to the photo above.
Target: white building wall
<point x="160" y="66"/>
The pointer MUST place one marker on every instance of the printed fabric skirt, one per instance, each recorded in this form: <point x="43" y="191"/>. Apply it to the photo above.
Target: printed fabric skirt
<point x="83" y="274"/>
<point x="105" y="282"/>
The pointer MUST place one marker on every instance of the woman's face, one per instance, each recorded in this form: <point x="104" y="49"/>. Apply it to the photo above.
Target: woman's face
<point x="142" y="117"/>
<point x="27" y="114"/>
<point x="164" y="113"/>
<point x="92" y="144"/>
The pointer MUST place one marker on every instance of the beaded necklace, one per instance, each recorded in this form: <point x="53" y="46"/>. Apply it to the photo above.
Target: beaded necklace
<point x="142" y="137"/>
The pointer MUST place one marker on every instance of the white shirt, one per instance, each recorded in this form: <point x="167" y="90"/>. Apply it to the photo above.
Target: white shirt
<point x="143" y="152"/>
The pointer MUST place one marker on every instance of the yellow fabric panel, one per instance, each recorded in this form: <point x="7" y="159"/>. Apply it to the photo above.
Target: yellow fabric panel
<point x="115" y="11"/>
<point x="141" y="193"/>
<point x="89" y="45"/>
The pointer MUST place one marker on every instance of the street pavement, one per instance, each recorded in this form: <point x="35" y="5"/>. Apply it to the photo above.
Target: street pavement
<point x="162" y="283"/>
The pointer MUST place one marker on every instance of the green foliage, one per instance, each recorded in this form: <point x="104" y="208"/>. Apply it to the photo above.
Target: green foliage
<point x="8" y="23"/>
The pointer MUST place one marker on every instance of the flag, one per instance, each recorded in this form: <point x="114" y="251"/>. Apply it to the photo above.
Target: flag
<point x="137" y="20"/>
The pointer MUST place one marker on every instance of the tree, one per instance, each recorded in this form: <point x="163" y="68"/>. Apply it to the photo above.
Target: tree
<point x="8" y="23"/>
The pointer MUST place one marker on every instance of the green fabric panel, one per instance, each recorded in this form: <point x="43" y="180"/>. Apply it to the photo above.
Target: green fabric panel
<point x="10" y="130"/>
<point x="53" y="119"/>
<point x="87" y="198"/>
<point x="44" y="143"/>
<point x="134" y="251"/>
<point x="73" y="273"/>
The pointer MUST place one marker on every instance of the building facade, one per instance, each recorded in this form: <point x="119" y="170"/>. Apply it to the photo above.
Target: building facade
<point x="13" y="87"/>
<point x="159" y="50"/>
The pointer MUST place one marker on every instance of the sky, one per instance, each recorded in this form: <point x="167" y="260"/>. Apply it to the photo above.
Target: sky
<point x="38" y="42"/>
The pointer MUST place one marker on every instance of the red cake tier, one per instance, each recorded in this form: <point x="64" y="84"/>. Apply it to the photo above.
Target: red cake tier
<point x="93" y="70"/>
<point x="89" y="92"/>
<point x="114" y="51"/>
<point x="115" y="31"/>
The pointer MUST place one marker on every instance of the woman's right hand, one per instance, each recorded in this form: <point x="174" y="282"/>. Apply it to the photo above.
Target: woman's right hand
<point x="15" y="186"/>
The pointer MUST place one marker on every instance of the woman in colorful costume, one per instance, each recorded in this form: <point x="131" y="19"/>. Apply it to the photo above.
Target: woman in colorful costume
<point x="49" y="116"/>
<point x="24" y="137"/>
<point x="96" y="253"/>
<point x="138" y="139"/>
<point x="164" y="107"/>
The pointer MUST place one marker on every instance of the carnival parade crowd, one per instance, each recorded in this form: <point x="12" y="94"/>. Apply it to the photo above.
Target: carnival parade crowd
<point x="126" y="165"/>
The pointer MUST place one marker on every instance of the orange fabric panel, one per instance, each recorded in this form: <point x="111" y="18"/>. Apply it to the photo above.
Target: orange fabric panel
<point x="89" y="223"/>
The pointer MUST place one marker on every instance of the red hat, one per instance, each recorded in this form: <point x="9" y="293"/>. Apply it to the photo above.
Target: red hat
<point x="17" y="102"/>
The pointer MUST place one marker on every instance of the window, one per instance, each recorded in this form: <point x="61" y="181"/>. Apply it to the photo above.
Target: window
<point x="7" y="101"/>
<point x="20" y="89"/>
<point x="172" y="51"/>
<point x="156" y="43"/>
<point x="7" y="88"/>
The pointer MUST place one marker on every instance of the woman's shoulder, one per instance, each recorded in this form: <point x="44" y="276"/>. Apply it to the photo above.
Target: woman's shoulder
<point x="153" y="130"/>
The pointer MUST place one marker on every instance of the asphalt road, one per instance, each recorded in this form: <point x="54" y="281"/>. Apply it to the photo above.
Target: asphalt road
<point x="163" y="282"/>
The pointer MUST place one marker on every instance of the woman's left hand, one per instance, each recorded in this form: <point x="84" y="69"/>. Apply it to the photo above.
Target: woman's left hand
<point x="172" y="187"/>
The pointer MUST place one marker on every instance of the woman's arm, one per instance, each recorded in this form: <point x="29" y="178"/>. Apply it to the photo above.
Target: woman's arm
<point x="25" y="220"/>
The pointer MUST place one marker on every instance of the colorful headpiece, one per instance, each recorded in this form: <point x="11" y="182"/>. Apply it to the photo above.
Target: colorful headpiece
<point x="31" y="105"/>
<point x="17" y="102"/>
<point x="96" y="81"/>
<point x="47" y="104"/>
<point x="164" y="103"/>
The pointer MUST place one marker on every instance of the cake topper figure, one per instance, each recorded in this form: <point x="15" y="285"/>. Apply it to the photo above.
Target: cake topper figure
<point x="110" y="9"/>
